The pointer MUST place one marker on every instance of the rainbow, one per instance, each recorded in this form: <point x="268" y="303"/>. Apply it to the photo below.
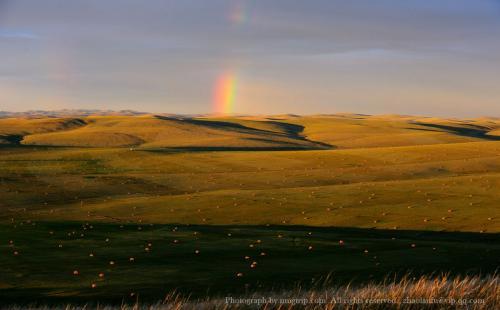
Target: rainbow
<point x="225" y="84"/>
<point x="225" y="93"/>
<point x="237" y="14"/>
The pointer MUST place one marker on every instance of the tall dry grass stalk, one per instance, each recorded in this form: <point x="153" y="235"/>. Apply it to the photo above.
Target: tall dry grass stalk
<point x="426" y="292"/>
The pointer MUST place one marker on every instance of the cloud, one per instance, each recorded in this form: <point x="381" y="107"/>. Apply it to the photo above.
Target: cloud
<point x="330" y="54"/>
<point x="18" y="34"/>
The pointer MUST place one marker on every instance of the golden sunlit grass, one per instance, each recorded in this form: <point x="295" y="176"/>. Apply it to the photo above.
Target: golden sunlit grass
<point x="412" y="187"/>
<point x="495" y="133"/>
<point x="24" y="126"/>
<point x="310" y="132"/>
<point x="155" y="132"/>
<point x="426" y="292"/>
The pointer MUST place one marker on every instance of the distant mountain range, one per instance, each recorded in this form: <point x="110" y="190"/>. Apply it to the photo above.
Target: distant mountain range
<point x="68" y="112"/>
<point x="97" y="112"/>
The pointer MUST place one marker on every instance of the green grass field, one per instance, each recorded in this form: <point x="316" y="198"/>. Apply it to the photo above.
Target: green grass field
<point x="195" y="202"/>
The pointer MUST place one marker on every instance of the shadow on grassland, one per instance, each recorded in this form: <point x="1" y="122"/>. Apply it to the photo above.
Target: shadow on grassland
<point x="204" y="260"/>
<point x="10" y="140"/>
<point x="229" y="149"/>
<point x="476" y="132"/>
<point x="291" y="131"/>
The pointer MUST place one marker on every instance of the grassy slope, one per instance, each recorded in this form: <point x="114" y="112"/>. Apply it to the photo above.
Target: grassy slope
<point x="495" y="133"/>
<point x="12" y="130"/>
<point x="362" y="131"/>
<point x="338" y="131"/>
<point x="157" y="132"/>
<point x="358" y="186"/>
<point x="382" y="131"/>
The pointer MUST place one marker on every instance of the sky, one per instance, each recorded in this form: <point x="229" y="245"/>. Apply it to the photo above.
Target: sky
<point x="425" y="57"/>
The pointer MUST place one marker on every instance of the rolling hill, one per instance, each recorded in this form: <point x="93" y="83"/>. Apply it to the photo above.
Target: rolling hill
<point x="153" y="132"/>
<point x="275" y="132"/>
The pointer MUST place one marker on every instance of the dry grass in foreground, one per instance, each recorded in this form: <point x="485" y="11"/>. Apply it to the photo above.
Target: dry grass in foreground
<point x="426" y="292"/>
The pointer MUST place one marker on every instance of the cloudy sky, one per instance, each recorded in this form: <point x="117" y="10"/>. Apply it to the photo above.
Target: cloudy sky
<point x="432" y="57"/>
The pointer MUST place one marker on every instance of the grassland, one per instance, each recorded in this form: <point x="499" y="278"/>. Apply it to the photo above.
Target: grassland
<point x="359" y="197"/>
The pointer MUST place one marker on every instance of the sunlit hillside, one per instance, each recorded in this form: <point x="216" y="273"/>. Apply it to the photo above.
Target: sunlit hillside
<point x="279" y="132"/>
<point x="153" y="131"/>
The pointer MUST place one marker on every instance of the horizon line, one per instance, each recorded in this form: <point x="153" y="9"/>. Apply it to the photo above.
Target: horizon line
<point x="88" y="112"/>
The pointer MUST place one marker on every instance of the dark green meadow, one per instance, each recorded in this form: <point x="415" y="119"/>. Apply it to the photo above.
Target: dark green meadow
<point x="217" y="260"/>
